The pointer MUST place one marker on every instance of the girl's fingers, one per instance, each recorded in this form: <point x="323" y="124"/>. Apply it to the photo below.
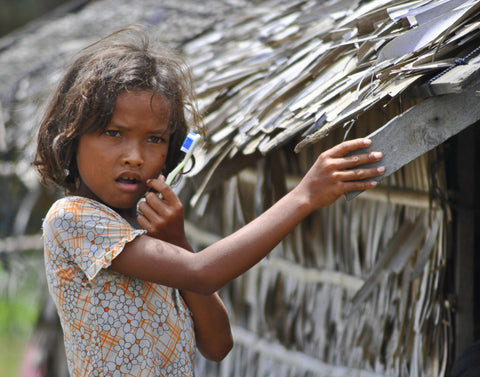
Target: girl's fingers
<point x="143" y="222"/>
<point x="166" y="193"/>
<point x="361" y="173"/>
<point x="154" y="213"/>
<point x="353" y="161"/>
<point x="159" y="185"/>
<point x="344" y="157"/>
<point x="349" y="146"/>
<point x="161" y="209"/>
<point x="147" y="209"/>
<point x="359" y="185"/>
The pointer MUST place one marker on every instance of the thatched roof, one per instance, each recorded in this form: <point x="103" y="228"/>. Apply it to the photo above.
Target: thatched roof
<point x="295" y="71"/>
<point x="268" y="73"/>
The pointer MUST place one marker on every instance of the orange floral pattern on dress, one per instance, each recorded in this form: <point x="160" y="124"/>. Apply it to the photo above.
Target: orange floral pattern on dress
<point x="113" y="325"/>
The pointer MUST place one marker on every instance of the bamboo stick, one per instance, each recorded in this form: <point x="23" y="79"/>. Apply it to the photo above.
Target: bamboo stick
<point x="21" y="243"/>
<point x="384" y="194"/>
<point x="297" y="359"/>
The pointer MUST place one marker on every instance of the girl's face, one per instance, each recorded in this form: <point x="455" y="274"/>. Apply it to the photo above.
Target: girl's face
<point x="115" y="164"/>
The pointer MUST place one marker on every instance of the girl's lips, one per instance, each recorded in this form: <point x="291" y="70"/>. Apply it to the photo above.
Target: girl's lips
<point x="128" y="184"/>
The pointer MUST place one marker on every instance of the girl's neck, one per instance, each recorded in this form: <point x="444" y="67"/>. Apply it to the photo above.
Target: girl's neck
<point x="132" y="220"/>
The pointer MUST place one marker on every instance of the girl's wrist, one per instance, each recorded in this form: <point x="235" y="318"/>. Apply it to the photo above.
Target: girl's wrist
<point x="303" y="202"/>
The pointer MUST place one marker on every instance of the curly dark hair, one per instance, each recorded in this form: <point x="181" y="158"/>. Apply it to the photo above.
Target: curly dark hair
<point x="85" y="98"/>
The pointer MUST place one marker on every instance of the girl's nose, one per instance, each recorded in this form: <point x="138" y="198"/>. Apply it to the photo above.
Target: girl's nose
<point x="133" y="156"/>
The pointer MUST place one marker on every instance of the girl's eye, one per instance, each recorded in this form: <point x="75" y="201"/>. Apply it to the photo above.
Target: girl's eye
<point x="112" y="133"/>
<point x="156" y="139"/>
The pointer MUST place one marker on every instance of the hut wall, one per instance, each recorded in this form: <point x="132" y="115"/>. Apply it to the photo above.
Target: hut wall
<point x="356" y="289"/>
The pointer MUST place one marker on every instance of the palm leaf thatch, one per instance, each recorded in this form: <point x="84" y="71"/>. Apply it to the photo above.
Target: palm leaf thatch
<point x="296" y="71"/>
<point x="358" y="288"/>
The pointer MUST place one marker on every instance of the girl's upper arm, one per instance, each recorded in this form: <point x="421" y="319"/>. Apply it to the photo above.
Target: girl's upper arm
<point x="150" y="259"/>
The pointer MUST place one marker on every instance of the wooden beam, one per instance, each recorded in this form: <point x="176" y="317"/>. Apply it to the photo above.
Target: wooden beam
<point x="422" y="128"/>
<point x="455" y="80"/>
<point x="451" y="81"/>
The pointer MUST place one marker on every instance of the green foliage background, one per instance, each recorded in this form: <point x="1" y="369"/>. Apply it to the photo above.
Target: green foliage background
<point x="21" y="295"/>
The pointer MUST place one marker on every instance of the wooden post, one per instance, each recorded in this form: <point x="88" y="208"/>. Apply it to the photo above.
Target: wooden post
<point x="467" y="159"/>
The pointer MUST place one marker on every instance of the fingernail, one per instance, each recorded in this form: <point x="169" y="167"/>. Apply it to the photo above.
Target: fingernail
<point x="377" y="154"/>
<point x="148" y="181"/>
<point x="381" y="169"/>
<point x="373" y="183"/>
<point x="367" y="141"/>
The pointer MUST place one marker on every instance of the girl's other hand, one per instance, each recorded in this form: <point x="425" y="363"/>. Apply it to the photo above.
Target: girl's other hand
<point x="334" y="173"/>
<point x="162" y="217"/>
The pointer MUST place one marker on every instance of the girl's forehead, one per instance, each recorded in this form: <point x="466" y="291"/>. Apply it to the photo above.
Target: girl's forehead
<point x="141" y="111"/>
<point x="142" y="95"/>
<point x="142" y="100"/>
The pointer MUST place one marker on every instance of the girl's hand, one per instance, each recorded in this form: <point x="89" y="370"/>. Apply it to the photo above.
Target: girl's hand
<point x="163" y="218"/>
<point x="334" y="173"/>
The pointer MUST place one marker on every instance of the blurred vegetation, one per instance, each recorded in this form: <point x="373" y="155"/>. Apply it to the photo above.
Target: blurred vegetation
<point x="22" y="290"/>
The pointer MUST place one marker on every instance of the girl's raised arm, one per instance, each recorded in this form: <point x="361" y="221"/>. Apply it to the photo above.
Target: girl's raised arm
<point x="332" y="175"/>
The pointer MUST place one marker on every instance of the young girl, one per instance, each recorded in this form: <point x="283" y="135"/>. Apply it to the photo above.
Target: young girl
<point x="132" y="297"/>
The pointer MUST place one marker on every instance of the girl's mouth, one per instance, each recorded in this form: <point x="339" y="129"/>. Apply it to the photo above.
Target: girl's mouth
<point x="127" y="180"/>
<point x="129" y="184"/>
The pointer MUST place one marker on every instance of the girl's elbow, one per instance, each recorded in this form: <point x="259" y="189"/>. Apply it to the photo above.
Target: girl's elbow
<point x="228" y="345"/>
<point x="204" y="283"/>
<point x="223" y="355"/>
<point x="221" y="351"/>
<point x="206" y="288"/>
